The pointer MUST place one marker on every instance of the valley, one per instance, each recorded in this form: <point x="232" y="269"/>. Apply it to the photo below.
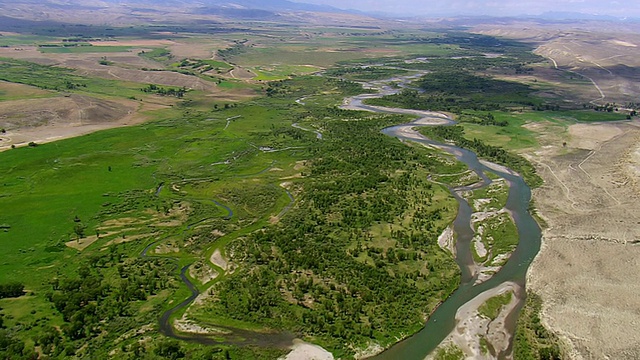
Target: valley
<point x="220" y="186"/>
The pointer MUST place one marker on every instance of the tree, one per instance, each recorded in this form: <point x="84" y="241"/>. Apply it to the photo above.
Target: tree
<point x="169" y="349"/>
<point x="78" y="229"/>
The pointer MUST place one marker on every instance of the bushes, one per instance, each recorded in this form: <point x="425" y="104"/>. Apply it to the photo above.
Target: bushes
<point x="13" y="289"/>
<point x="532" y="340"/>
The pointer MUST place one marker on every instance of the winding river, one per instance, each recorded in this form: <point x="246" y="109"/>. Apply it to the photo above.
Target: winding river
<point x="442" y="321"/>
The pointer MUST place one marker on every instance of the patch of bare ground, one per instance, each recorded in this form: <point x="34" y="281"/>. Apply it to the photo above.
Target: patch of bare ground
<point x="447" y="241"/>
<point x="27" y="53"/>
<point x="218" y="260"/>
<point x="590" y="249"/>
<point x="202" y="272"/>
<point x="92" y="68"/>
<point x="141" y="43"/>
<point x="305" y="351"/>
<point x="82" y="243"/>
<point x="185" y="325"/>
<point x="16" y="91"/>
<point x="44" y="120"/>
<point x="200" y="49"/>
<point x="242" y="73"/>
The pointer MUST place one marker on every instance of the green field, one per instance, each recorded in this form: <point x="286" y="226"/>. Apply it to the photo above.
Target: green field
<point x="82" y="49"/>
<point x="63" y="79"/>
<point x="100" y="189"/>
<point x="23" y="39"/>
<point x="281" y="72"/>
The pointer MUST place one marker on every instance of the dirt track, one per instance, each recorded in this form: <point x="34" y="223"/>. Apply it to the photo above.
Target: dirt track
<point x="586" y="270"/>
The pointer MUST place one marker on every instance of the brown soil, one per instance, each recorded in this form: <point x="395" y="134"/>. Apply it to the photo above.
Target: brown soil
<point x="242" y="73"/>
<point x="598" y="62"/>
<point x="590" y="202"/>
<point x="72" y="109"/>
<point x="585" y="269"/>
<point x="16" y="91"/>
<point x="218" y="260"/>
<point x="202" y="49"/>
<point x="45" y="120"/>
<point x="81" y="244"/>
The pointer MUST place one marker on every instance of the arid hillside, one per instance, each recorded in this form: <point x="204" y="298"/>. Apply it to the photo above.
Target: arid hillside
<point x="590" y="197"/>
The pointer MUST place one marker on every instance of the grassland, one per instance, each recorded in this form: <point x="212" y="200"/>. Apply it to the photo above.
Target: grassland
<point x="12" y="91"/>
<point x="128" y="188"/>
<point x="63" y="79"/>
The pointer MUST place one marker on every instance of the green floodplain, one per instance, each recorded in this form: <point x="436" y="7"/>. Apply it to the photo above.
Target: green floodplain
<point x="332" y="239"/>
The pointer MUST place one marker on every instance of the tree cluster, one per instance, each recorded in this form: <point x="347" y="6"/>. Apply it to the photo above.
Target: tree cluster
<point x="12" y="289"/>
<point x="159" y="90"/>
<point x="318" y="271"/>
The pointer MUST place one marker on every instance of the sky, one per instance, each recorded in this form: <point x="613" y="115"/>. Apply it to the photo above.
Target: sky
<point x="619" y="8"/>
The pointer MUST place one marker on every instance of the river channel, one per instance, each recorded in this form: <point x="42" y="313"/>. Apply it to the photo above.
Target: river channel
<point x="442" y="320"/>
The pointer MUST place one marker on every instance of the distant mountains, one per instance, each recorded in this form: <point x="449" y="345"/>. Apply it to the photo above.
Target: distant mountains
<point x="177" y="5"/>
<point x="120" y="12"/>
<point x="257" y="9"/>
<point x="125" y="12"/>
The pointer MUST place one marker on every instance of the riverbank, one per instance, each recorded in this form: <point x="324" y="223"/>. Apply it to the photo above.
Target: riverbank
<point x="305" y="351"/>
<point x="445" y="320"/>
<point x="475" y="332"/>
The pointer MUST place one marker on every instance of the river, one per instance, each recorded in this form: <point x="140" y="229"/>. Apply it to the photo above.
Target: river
<point x="442" y="320"/>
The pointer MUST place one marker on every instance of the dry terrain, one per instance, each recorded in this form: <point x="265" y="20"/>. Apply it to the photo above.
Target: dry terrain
<point x="473" y="330"/>
<point x="590" y="254"/>
<point x="28" y="114"/>
<point x="599" y="62"/>
<point x="585" y="270"/>
<point x="43" y="120"/>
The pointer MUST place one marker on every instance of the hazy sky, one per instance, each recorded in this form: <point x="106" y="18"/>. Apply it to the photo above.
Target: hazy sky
<point x="621" y="8"/>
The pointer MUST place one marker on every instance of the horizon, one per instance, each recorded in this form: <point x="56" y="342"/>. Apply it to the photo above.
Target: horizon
<point x="620" y="9"/>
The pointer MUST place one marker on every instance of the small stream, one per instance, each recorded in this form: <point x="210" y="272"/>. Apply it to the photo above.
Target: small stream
<point x="442" y="321"/>
<point x="228" y="335"/>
